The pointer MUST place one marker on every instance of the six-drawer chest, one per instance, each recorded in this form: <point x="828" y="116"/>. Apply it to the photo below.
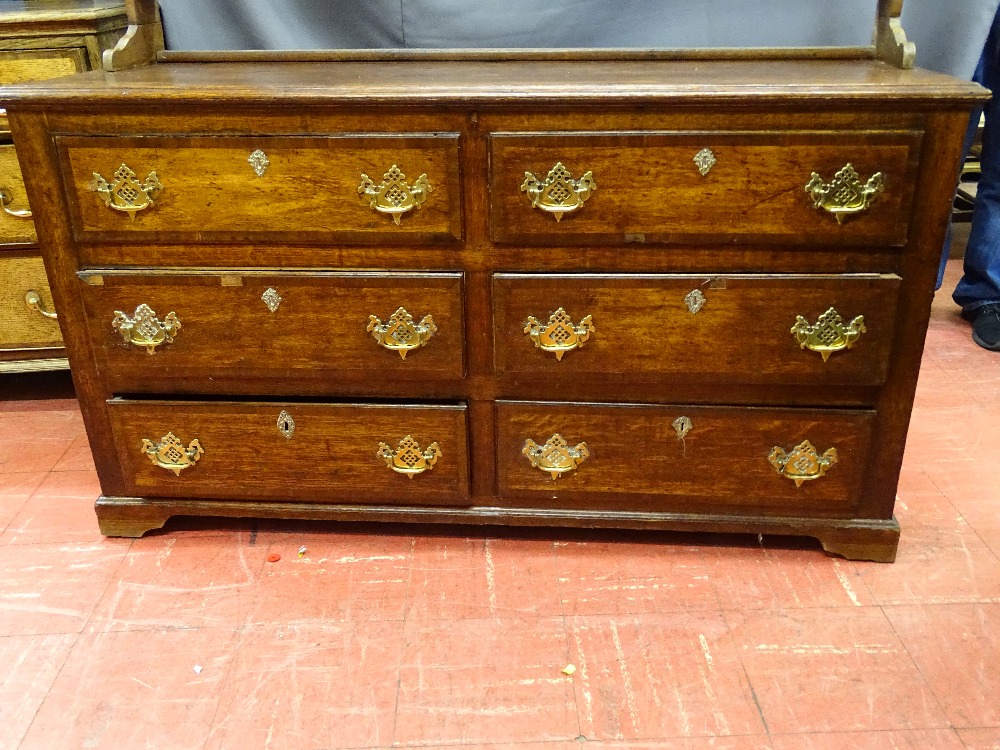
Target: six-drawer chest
<point x="535" y="289"/>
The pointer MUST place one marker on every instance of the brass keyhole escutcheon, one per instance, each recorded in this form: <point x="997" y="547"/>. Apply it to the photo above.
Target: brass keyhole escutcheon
<point x="286" y="425"/>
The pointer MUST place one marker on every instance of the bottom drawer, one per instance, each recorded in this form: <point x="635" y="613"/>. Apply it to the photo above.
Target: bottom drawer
<point x="292" y="451"/>
<point x="753" y="461"/>
<point x="24" y="326"/>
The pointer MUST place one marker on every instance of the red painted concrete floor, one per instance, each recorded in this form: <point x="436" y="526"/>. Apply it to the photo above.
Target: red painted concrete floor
<point x="395" y="636"/>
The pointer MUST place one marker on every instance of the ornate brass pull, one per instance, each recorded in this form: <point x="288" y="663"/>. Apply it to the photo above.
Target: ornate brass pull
<point x="407" y="458"/>
<point x="169" y="453"/>
<point x="145" y="329"/>
<point x="560" y="334"/>
<point x="803" y="464"/>
<point x="400" y="333"/>
<point x="5" y="201"/>
<point x="34" y="302"/>
<point x="555" y="457"/>
<point x="394" y="196"/>
<point x="845" y="195"/>
<point x="829" y="334"/>
<point x="125" y="192"/>
<point x="558" y="193"/>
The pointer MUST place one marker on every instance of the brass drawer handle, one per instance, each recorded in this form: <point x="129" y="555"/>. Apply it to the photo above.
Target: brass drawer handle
<point x="408" y="458"/>
<point x="558" y="193"/>
<point x="803" y="464"/>
<point x="830" y="334"/>
<point x="394" y="195"/>
<point x="125" y="192"/>
<point x="556" y="457"/>
<point x="400" y="333"/>
<point x="845" y="195"/>
<point x="33" y="300"/>
<point x="145" y="329"/>
<point x="560" y="334"/>
<point x="170" y="454"/>
<point x="5" y="201"/>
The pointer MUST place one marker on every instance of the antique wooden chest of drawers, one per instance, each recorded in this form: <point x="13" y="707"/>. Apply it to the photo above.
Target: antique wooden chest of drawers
<point x="39" y="40"/>
<point x="645" y="293"/>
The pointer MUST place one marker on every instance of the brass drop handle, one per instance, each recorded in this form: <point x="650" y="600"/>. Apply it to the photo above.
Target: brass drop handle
<point x="394" y="195"/>
<point x="408" y="458"/>
<point x="33" y="300"/>
<point x="124" y="192"/>
<point x="400" y="333"/>
<point x="145" y="329"/>
<point x="803" y="463"/>
<point x="845" y="195"/>
<point x="5" y="201"/>
<point x="558" y="193"/>
<point x="555" y="456"/>
<point x="169" y="453"/>
<point x="830" y="334"/>
<point x="560" y="334"/>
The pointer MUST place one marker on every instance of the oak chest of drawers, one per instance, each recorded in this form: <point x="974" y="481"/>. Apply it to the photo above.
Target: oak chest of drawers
<point x="636" y="293"/>
<point x="38" y="39"/>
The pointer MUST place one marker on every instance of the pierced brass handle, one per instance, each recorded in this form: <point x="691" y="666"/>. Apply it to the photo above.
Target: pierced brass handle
<point x="17" y="214"/>
<point x="125" y="192"/>
<point x="830" y="334"/>
<point x="845" y="195"/>
<point x="400" y="333"/>
<point x="394" y="195"/>
<point x="34" y="302"/>
<point x="408" y="458"/>
<point x="560" y="334"/>
<point x="556" y="457"/>
<point x="145" y="329"/>
<point x="803" y="464"/>
<point x="558" y="193"/>
<point x="170" y="454"/>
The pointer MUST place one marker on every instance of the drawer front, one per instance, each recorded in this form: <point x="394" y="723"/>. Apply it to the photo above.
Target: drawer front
<point x="723" y="463"/>
<point x="16" y="224"/>
<point x="648" y="187"/>
<point x="24" y="300"/>
<point x="18" y="66"/>
<point x="292" y="451"/>
<point x="276" y="325"/>
<point x="727" y="329"/>
<point x="206" y="189"/>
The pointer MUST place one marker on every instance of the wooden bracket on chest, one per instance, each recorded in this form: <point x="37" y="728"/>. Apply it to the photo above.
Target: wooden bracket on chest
<point x="142" y="40"/>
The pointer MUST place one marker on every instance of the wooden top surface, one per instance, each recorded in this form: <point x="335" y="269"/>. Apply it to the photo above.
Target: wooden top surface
<point x="503" y="82"/>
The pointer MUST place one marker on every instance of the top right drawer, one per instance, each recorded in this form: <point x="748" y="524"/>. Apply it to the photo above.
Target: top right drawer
<point x="792" y="187"/>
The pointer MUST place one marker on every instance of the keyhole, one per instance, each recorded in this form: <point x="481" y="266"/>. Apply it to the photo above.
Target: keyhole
<point x="286" y="425"/>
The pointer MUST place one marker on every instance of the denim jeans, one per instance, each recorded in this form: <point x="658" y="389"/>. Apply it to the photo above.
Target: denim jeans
<point x="980" y="284"/>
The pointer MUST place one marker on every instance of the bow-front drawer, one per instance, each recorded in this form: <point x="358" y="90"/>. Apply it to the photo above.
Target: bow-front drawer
<point x="792" y="187"/>
<point x="169" y="330"/>
<point x="348" y="188"/>
<point x="292" y="451"/>
<point x="753" y="329"/>
<point x="27" y="320"/>
<point x="683" y="459"/>
<point x="16" y="225"/>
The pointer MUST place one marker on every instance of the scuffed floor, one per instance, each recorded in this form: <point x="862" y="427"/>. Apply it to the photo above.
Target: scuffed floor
<point x="401" y="636"/>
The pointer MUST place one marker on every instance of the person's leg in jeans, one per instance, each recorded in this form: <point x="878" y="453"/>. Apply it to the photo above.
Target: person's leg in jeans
<point x="978" y="292"/>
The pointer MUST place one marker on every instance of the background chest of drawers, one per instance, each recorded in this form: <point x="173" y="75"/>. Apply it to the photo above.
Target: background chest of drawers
<point x="38" y="39"/>
<point x="646" y="294"/>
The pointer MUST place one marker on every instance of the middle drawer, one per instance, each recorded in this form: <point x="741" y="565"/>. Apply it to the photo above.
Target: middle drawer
<point x="730" y="328"/>
<point x="151" y="330"/>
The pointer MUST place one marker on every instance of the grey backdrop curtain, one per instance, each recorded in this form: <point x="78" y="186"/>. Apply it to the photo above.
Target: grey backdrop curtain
<point x="949" y="33"/>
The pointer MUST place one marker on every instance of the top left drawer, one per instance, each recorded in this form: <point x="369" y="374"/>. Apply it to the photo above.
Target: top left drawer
<point x="342" y="188"/>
